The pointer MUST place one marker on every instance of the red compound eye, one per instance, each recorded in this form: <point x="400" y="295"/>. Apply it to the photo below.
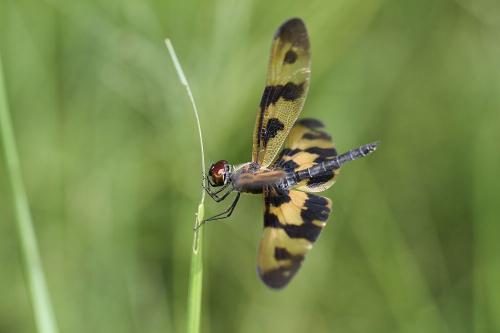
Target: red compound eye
<point x="217" y="173"/>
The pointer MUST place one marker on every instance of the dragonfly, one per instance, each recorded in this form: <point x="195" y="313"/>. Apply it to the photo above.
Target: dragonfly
<point x="291" y="161"/>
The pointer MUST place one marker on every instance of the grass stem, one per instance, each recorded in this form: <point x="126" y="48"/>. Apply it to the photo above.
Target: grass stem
<point x="196" y="270"/>
<point x="44" y="317"/>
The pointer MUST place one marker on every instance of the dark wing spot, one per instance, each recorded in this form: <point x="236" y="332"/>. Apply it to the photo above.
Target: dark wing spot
<point x="290" y="57"/>
<point x="321" y="159"/>
<point x="269" y="96"/>
<point x="323" y="152"/>
<point x="289" y="152"/>
<point x="281" y="253"/>
<point x="310" y="123"/>
<point x="271" y="220"/>
<point x="315" y="208"/>
<point x="315" y="200"/>
<point x="290" y="165"/>
<point x="278" y="199"/>
<point x="272" y="94"/>
<point x="274" y="125"/>
<point x="294" y="151"/>
<point x="317" y="135"/>
<point x="311" y="212"/>
<point x="292" y="91"/>
<point x="294" y="31"/>
<point x="278" y="278"/>
<point x="284" y="152"/>
<point x="307" y="230"/>
<point x="279" y="160"/>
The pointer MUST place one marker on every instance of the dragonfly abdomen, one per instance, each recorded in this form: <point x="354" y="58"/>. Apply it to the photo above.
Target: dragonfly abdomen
<point x="327" y="166"/>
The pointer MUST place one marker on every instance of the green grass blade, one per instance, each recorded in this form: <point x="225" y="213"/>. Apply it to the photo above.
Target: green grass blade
<point x="196" y="270"/>
<point x="40" y="298"/>
<point x="195" y="278"/>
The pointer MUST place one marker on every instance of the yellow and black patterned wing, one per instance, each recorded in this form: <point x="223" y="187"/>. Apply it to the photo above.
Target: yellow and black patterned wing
<point x="306" y="146"/>
<point x="293" y="221"/>
<point x="285" y="92"/>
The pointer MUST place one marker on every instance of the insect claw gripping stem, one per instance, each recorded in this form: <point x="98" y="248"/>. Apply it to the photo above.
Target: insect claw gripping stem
<point x="198" y="225"/>
<point x="225" y="214"/>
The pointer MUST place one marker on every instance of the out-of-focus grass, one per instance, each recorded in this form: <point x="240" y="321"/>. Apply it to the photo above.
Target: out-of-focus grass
<point x="111" y="163"/>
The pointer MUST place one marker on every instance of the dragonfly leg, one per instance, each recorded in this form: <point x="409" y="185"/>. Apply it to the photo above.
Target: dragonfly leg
<point x="219" y="199"/>
<point x="226" y="194"/>
<point x="225" y="214"/>
<point x="220" y="190"/>
<point x="215" y="194"/>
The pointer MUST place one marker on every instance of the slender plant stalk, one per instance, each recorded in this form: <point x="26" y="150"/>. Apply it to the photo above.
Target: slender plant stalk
<point x="40" y="298"/>
<point x="196" y="272"/>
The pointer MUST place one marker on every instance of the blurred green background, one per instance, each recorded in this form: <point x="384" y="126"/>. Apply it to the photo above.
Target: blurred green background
<point x="110" y="159"/>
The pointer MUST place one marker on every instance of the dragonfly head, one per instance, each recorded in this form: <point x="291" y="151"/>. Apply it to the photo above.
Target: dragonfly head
<point x="219" y="173"/>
